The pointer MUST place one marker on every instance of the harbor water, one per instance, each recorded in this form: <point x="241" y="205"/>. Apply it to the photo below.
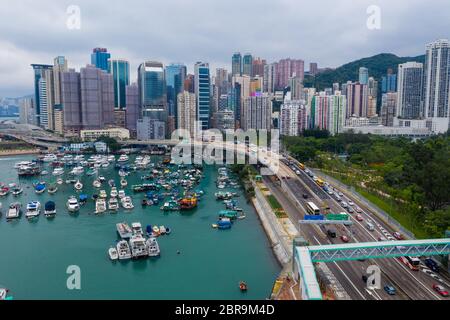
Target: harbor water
<point x="196" y="262"/>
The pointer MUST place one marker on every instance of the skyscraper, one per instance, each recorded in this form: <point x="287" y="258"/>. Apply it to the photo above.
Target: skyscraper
<point x="247" y="65"/>
<point x="389" y="82"/>
<point x="257" y="113"/>
<point x="100" y="57"/>
<point x="175" y="77"/>
<point x="292" y="118"/>
<point x="269" y="78"/>
<point x="409" y="97"/>
<point x="338" y="105"/>
<point x="187" y="112"/>
<point x="357" y="99"/>
<point x="39" y="70"/>
<point x="71" y="101"/>
<point x="202" y="93"/>
<point x="363" y="76"/>
<point x="152" y="90"/>
<point x="132" y="108"/>
<point x="236" y="64"/>
<point x="437" y="80"/>
<point x="388" y="108"/>
<point x="97" y="98"/>
<point x="120" y="69"/>
<point x="59" y="66"/>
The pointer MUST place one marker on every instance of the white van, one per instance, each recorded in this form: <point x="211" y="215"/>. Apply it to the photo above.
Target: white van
<point x="370" y="227"/>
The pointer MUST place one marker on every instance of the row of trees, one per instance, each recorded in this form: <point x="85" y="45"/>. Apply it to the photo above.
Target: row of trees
<point x="415" y="173"/>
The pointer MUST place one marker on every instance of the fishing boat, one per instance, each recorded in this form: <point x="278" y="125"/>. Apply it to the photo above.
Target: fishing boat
<point x="40" y="188"/>
<point x="224" y="224"/>
<point x="114" y="192"/>
<point x="78" y="185"/>
<point x="113" y="254"/>
<point x="138" y="246"/>
<point x="123" y="250"/>
<point x="171" y="205"/>
<point x="96" y="184"/>
<point x="33" y="210"/>
<point x="100" y="206"/>
<point x="72" y="205"/>
<point x="230" y="214"/>
<point x="122" y="194"/>
<point x="113" y="204"/>
<point x="188" y="203"/>
<point x="103" y="194"/>
<point x="17" y="191"/>
<point x="243" y="286"/>
<point x="58" y="171"/>
<point x="13" y="211"/>
<point x="52" y="189"/>
<point x="153" y="247"/>
<point x="123" y="183"/>
<point x="50" y="209"/>
<point x="124" y="230"/>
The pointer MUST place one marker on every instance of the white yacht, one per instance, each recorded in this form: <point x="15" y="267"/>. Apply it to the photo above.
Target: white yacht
<point x="13" y="211"/>
<point x="77" y="171"/>
<point x="138" y="246"/>
<point x="113" y="254"/>
<point x="122" y="194"/>
<point x="97" y="184"/>
<point x="153" y="247"/>
<point x="72" y="204"/>
<point x="103" y="194"/>
<point x="123" y="250"/>
<point x="113" y="204"/>
<point x="33" y="210"/>
<point x="123" y="158"/>
<point x="137" y="228"/>
<point x="127" y="203"/>
<point x="58" y="171"/>
<point x="124" y="230"/>
<point x="50" y="209"/>
<point x="23" y="164"/>
<point x="50" y="157"/>
<point x="114" y="192"/>
<point x="78" y="185"/>
<point x="100" y="206"/>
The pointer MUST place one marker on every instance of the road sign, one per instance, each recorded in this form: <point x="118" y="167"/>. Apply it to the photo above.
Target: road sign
<point x="314" y="217"/>
<point x="338" y="217"/>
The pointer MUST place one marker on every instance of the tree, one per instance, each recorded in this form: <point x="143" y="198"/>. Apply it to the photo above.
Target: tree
<point x="112" y="143"/>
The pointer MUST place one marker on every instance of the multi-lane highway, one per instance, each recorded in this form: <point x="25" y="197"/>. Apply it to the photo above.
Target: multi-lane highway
<point x="409" y="284"/>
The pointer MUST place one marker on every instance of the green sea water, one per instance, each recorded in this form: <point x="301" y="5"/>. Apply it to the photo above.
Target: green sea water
<point x="34" y="256"/>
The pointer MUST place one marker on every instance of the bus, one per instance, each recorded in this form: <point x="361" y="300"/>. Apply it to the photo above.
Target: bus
<point x="312" y="208"/>
<point x="411" y="262"/>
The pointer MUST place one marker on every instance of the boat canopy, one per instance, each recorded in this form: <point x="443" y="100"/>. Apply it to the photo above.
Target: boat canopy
<point x="83" y="197"/>
<point x="40" y="187"/>
<point x="50" y="206"/>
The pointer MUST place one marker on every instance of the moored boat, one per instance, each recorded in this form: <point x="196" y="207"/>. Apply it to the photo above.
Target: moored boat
<point x="124" y="230"/>
<point x="153" y="247"/>
<point x="78" y="185"/>
<point x="40" y="188"/>
<point x="113" y="254"/>
<point x="72" y="205"/>
<point x="13" y="211"/>
<point x="50" y="209"/>
<point x="123" y="250"/>
<point x="33" y="210"/>
<point x="100" y="206"/>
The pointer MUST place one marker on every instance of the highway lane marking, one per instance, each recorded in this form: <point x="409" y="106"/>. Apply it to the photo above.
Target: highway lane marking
<point x="348" y="279"/>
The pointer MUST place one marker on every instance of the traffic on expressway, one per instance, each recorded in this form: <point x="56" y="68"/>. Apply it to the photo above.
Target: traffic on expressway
<point x="300" y="192"/>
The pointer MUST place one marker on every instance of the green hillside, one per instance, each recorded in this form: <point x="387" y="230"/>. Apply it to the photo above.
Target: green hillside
<point x="377" y="66"/>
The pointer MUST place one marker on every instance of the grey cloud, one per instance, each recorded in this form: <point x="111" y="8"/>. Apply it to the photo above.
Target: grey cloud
<point x="326" y="31"/>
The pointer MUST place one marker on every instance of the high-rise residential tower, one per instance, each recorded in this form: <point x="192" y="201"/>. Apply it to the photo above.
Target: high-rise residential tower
<point x="236" y="64"/>
<point x="39" y="71"/>
<point x="187" y="112"/>
<point x="363" y="75"/>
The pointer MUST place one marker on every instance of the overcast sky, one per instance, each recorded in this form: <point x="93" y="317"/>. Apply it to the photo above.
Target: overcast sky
<point x="330" y="32"/>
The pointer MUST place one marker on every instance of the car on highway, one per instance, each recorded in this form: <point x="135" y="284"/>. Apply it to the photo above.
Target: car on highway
<point x="370" y="226"/>
<point x="345" y="239"/>
<point x="351" y="203"/>
<point x="358" y="210"/>
<point x="297" y="172"/>
<point x="337" y="197"/>
<point x="390" y="238"/>
<point x="398" y="236"/>
<point x="382" y="239"/>
<point x="330" y="192"/>
<point x="305" y="196"/>
<point x="390" y="290"/>
<point x="344" y="204"/>
<point x="359" y="217"/>
<point x="430" y="263"/>
<point x="331" y="233"/>
<point x="341" y="194"/>
<point x="440" y="289"/>
<point x="350" y="210"/>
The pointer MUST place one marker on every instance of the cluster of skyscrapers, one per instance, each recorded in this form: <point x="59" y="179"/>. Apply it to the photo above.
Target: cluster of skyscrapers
<point x="101" y="96"/>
